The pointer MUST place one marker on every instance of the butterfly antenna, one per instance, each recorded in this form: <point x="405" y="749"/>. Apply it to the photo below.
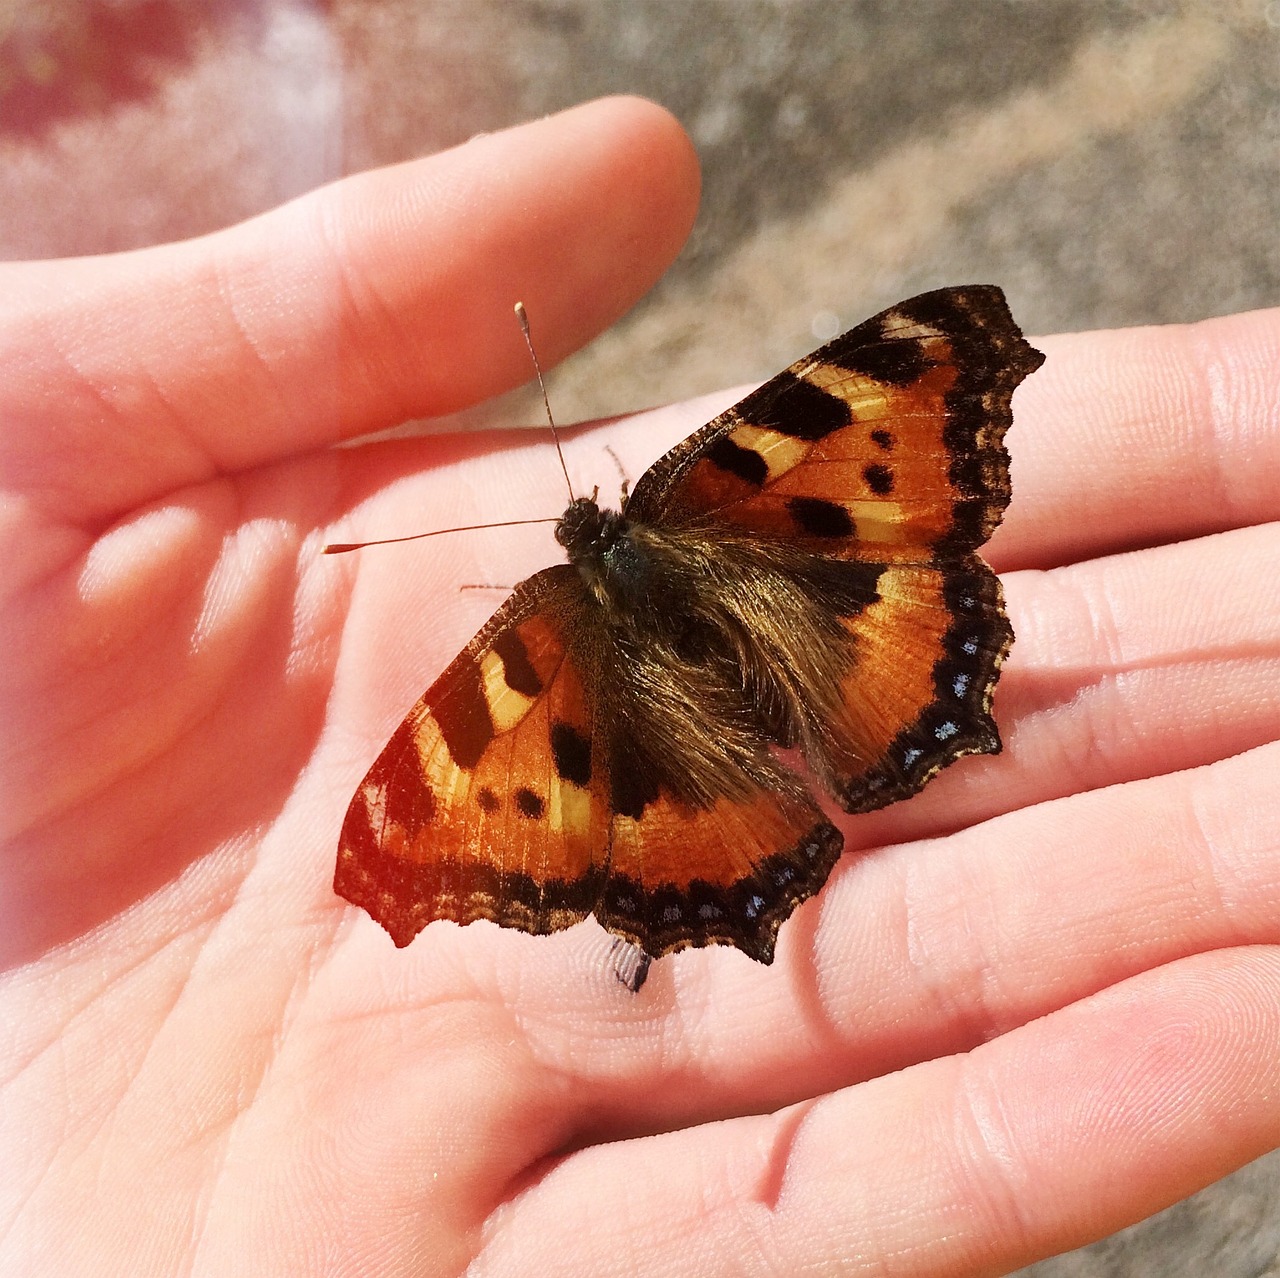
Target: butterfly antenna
<point x="341" y="547"/>
<point x="537" y="368"/>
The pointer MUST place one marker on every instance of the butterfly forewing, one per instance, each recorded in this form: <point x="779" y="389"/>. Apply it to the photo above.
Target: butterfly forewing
<point x="482" y="805"/>
<point x="885" y="444"/>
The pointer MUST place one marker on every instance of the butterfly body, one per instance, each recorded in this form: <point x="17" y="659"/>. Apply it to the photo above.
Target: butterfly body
<point x="797" y="575"/>
<point x="689" y="629"/>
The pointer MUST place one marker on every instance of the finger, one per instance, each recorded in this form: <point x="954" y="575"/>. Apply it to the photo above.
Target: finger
<point x="1122" y="439"/>
<point x="1123" y="667"/>
<point x="913" y="952"/>
<point x="1142" y="436"/>
<point x="383" y="297"/>
<point x="1049" y="1137"/>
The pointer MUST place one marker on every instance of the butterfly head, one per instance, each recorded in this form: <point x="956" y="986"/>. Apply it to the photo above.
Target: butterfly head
<point x="587" y="532"/>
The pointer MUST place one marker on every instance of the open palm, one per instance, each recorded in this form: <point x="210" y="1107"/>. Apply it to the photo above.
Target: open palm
<point x="1035" y="1003"/>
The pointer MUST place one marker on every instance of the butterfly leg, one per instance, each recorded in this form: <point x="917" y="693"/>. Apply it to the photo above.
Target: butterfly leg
<point x="625" y="490"/>
<point x="630" y="963"/>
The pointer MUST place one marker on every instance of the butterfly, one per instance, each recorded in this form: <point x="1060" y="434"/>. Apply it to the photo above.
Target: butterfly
<point x="799" y="575"/>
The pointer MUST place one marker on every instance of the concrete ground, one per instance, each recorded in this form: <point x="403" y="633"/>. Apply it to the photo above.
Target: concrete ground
<point x="1107" y="162"/>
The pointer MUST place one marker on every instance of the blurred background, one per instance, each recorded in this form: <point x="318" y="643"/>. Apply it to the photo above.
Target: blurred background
<point x="1109" y="162"/>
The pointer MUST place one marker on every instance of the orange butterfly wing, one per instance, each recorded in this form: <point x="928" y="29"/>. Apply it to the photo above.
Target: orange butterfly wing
<point x="481" y="806"/>
<point x="886" y="446"/>
<point x="510" y="794"/>
<point x="886" y="443"/>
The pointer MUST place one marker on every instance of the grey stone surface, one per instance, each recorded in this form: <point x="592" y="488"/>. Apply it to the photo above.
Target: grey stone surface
<point x="1109" y="163"/>
<point x="1229" y="1230"/>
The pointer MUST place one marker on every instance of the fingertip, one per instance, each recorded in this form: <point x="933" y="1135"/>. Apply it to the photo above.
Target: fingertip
<point x="576" y="214"/>
<point x="659" y="163"/>
<point x="619" y="185"/>
<point x="381" y="298"/>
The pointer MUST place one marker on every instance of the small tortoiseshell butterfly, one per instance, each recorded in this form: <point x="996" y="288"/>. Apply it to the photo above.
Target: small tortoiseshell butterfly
<point x="798" y="574"/>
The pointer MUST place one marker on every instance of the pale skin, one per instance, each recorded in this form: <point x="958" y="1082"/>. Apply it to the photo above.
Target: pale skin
<point x="1042" y="1001"/>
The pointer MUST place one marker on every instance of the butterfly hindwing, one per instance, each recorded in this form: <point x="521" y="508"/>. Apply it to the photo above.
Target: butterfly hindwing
<point x="759" y="857"/>
<point x="926" y="657"/>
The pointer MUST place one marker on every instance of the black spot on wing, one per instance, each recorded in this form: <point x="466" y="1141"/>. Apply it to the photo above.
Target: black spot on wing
<point x="879" y="479"/>
<point x="633" y="784"/>
<point x="866" y="351"/>
<point x="820" y="518"/>
<point x="743" y="463"/>
<point x="882" y="439"/>
<point x="463" y="714"/>
<point x="517" y="670"/>
<point x="572" y="754"/>
<point x="844" y="586"/>
<point x="529" y="804"/>
<point x="791" y="406"/>
<point x="488" y="801"/>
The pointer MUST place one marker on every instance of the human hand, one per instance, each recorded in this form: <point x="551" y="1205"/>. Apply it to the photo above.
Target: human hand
<point x="1039" y="1001"/>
